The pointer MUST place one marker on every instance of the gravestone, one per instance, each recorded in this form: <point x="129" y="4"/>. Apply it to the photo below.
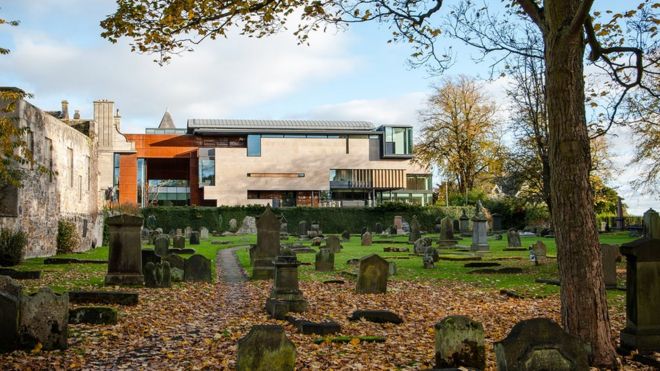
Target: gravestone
<point x="414" y="234"/>
<point x="459" y="342"/>
<point x="392" y="230"/>
<point x="145" y="234"/>
<point x="314" y="230"/>
<point x="378" y="228"/>
<point x="179" y="242"/>
<point x="233" y="225"/>
<point x="284" y="227"/>
<point x="177" y="267"/>
<point x="427" y="261"/>
<point x="197" y="268"/>
<point x="497" y="222"/>
<point x="179" y="232"/>
<point x="44" y="318"/>
<point x="398" y="224"/>
<point x="249" y="226"/>
<point x="464" y="224"/>
<point x="302" y="228"/>
<point x="433" y="253"/>
<point x="479" y="230"/>
<point x="372" y="275"/>
<point x="391" y="269"/>
<point x="266" y="348"/>
<point x="642" y="329"/>
<point x="541" y="344"/>
<point x="161" y="245"/>
<point x="333" y="244"/>
<point x="203" y="233"/>
<point x="346" y="236"/>
<point x="366" y="239"/>
<point x="609" y="255"/>
<point x="268" y="245"/>
<point x="157" y="275"/>
<point x="325" y="260"/>
<point x="187" y="232"/>
<point x="316" y="241"/>
<point x="437" y="225"/>
<point x="285" y="295"/>
<point x="539" y="249"/>
<point x="125" y="255"/>
<point x="447" y="238"/>
<point x="194" y="238"/>
<point x="150" y="223"/>
<point x="421" y="245"/>
<point x="513" y="238"/>
<point x="149" y="256"/>
<point x="10" y="307"/>
<point x="651" y="221"/>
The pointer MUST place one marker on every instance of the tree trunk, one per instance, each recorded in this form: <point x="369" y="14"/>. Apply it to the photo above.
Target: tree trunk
<point x="583" y="298"/>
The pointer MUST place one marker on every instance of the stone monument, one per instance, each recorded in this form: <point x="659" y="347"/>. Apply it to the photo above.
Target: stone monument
<point x="447" y="239"/>
<point x="464" y="224"/>
<point x="325" y="260"/>
<point x="372" y="276"/>
<point x="268" y="245"/>
<point x="479" y="230"/>
<point x="266" y="348"/>
<point x="415" y="233"/>
<point x="125" y="255"/>
<point x="459" y="342"/>
<point x="285" y="296"/>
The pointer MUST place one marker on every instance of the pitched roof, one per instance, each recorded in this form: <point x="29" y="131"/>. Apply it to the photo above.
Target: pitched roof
<point x="278" y="125"/>
<point x="166" y="122"/>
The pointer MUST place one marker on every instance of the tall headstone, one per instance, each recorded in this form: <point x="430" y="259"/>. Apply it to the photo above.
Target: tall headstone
<point x="179" y="242"/>
<point x="197" y="268"/>
<point x="285" y="295"/>
<point x="233" y="225"/>
<point x="125" y="255"/>
<point x="415" y="233"/>
<point x="619" y="214"/>
<point x="372" y="275"/>
<point x="249" y="226"/>
<point x="284" y="227"/>
<point x="456" y="226"/>
<point x="464" y="224"/>
<point x="204" y="233"/>
<point x="513" y="238"/>
<point x="447" y="238"/>
<point x="10" y="307"/>
<point x="266" y="348"/>
<point x="651" y="221"/>
<point x="44" y="318"/>
<point x="187" y="232"/>
<point x="541" y="344"/>
<point x="150" y="223"/>
<point x="325" y="260"/>
<point x="268" y="245"/>
<point x="302" y="228"/>
<point x="162" y="245"/>
<point x="642" y="329"/>
<point x="479" y="230"/>
<point x="437" y="225"/>
<point x="398" y="224"/>
<point x="378" y="228"/>
<point x="333" y="244"/>
<point x="459" y="342"/>
<point x="497" y="222"/>
<point x="609" y="255"/>
<point x="366" y="239"/>
<point x="194" y="238"/>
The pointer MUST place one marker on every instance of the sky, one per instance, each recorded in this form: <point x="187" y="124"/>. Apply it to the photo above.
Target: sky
<point x="57" y="53"/>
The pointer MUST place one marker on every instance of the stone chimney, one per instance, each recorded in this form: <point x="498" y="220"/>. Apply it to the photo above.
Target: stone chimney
<point x="104" y="117"/>
<point x="76" y="115"/>
<point x="65" y="110"/>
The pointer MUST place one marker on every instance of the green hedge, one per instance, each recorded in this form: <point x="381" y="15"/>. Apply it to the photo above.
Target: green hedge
<point x="332" y="220"/>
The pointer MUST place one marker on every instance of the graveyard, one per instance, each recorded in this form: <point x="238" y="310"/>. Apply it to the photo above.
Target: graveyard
<point x="321" y="298"/>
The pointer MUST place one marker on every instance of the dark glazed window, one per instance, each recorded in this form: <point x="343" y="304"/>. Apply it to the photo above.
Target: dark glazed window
<point x="254" y="145"/>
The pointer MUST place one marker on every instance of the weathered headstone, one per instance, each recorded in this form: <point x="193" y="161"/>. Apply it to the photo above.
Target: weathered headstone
<point x="194" y="238"/>
<point x="415" y="233"/>
<point x="642" y="329"/>
<point x="284" y="227"/>
<point x="179" y="242"/>
<point x="285" y="295"/>
<point x="145" y="234"/>
<point x="314" y="230"/>
<point x="459" y="342"/>
<point x="266" y="348"/>
<point x="464" y="224"/>
<point x="372" y="275"/>
<point x="233" y="225"/>
<point x="157" y="275"/>
<point x="539" y="249"/>
<point x="346" y="236"/>
<point x="268" y="245"/>
<point x="497" y="222"/>
<point x="378" y="228"/>
<point x="398" y="224"/>
<point x="479" y="230"/>
<point x="421" y="245"/>
<point x="161" y="245"/>
<point x="447" y="238"/>
<point x="436" y="225"/>
<point x="316" y="241"/>
<point x="93" y="315"/>
<point x="10" y="307"/>
<point x="513" y="238"/>
<point x="325" y="260"/>
<point x="179" y="232"/>
<point x="651" y="222"/>
<point x="249" y="226"/>
<point x="609" y="255"/>
<point x="427" y="261"/>
<point x="391" y="269"/>
<point x="333" y="244"/>
<point x="366" y="239"/>
<point x="150" y="222"/>
<point x="125" y="255"/>
<point x="187" y="232"/>
<point x="203" y="233"/>
<point x="541" y="344"/>
<point x="302" y="228"/>
<point x="197" y="268"/>
<point x="177" y="267"/>
<point x="44" y="318"/>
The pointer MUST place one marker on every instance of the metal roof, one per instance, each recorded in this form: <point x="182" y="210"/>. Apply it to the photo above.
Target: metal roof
<point x="231" y="125"/>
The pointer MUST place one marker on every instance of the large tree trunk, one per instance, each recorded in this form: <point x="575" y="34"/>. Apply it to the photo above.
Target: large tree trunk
<point x="583" y="298"/>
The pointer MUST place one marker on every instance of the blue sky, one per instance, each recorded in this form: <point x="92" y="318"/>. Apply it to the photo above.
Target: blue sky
<point x="57" y="53"/>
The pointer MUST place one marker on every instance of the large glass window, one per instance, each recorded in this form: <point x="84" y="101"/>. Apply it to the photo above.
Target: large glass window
<point x="206" y="166"/>
<point x="419" y="182"/>
<point x="254" y="145"/>
<point x="115" y="177"/>
<point x="398" y="141"/>
<point x="141" y="184"/>
<point x="169" y="192"/>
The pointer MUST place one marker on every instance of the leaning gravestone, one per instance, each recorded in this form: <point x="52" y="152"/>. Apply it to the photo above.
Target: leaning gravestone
<point x="157" y="275"/>
<point x="161" y="245"/>
<point x="194" y="238"/>
<point x="609" y="255"/>
<point x="179" y="242"/>
<point x="541" y="344"/>
<point x="233" y="225"/>
<point x="203" y="233"/>
<point x="333" y="244"/>
<point x="366" y="239"/>
<point x="479" y="230"/>
<point x="249" y="226"/>
<point x="513" y="238"/>
<point x="266" y="348"/>
<point x="414" y="234"/>
<point x="285" y="295"/>
<point x="459" y="342"/>
<point x="372" y="275"/>
<point x="268" y="245"/>
<point x="197" y="268"/>
<point x="325" y="260"/>
<point x="44" y="318"/>
<point x="125" y="255"/>
<point x="10" y="307"/>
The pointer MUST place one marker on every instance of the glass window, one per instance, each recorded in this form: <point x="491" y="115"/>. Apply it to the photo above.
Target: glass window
<point x="254" y="145"/>
<point x="206" y="167"/>
<point x="141" y="185"/>
<point x="418" y="182"/>
<point x="398" y="141"/>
